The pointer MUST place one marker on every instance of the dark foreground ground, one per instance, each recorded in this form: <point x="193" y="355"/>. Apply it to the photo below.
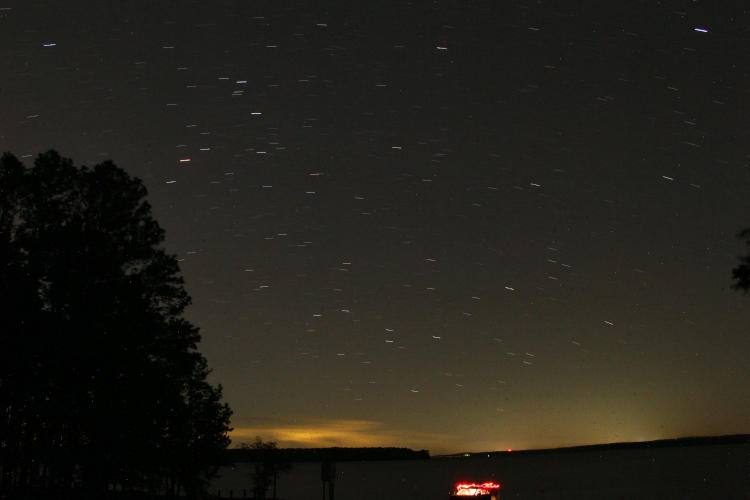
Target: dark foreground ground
<point x="689" y="472"/>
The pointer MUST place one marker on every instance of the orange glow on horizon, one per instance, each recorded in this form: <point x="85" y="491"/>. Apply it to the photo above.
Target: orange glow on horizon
<point x="344" y="433"/>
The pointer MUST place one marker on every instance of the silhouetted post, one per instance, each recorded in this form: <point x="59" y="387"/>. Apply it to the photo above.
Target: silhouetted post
<point x="328" y="475"/>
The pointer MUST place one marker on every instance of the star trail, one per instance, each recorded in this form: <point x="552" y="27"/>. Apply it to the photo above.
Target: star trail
<point x="445" y="225"/>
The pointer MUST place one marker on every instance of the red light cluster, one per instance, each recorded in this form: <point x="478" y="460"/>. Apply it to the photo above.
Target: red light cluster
<point x="484" y="486"/>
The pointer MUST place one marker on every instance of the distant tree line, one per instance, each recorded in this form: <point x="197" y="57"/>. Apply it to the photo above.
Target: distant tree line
<point x="102" y="389"/>
<point x="659" y="443"/>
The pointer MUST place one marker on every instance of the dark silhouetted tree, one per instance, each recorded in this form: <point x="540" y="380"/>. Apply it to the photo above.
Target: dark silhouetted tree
<point x="101" y="385"/>
<point x="267" y="462"/>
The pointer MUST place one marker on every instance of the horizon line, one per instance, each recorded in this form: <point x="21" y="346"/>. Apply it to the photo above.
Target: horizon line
<point x="738" y="437"/>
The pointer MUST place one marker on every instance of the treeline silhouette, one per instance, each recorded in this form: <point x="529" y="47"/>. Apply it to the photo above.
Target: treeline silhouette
<point x="659" y="443"/>
<point x="335" y="454"/>
<point x="102" y="390"/>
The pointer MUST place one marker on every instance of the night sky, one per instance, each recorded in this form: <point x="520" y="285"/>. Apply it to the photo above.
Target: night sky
<point x="452" y="225"/>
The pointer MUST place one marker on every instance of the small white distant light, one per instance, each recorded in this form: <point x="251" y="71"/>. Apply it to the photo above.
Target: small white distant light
<point x="702" y="30"/>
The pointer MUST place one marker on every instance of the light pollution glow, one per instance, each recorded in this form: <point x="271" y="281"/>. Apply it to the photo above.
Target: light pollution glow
<point x="321" y="433"/>
<point x="328" y="433"/>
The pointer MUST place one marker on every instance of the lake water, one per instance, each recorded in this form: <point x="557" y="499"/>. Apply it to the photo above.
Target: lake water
<point x="695" y="472"/>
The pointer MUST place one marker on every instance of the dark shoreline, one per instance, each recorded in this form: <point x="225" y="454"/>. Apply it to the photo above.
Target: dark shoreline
<point x="335" y="454"/>
<point x="659" y="443"/>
